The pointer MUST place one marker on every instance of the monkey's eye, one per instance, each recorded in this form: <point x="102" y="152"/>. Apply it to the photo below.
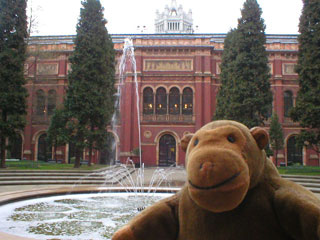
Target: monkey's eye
<point x="196" y="141"/>
<point x="231" y="138"/>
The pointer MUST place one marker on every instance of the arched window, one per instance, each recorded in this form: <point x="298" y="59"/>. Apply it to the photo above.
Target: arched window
<point x="148" y="101"/>
<point x="52" y="101"/>
<point x="187" y="101"/>
<point x="44" y="150"/>
<point x="161" y="101"/>
<point x="40" y="103"/>
<point x="174" y="101"/>
<point x="288" y="102"/>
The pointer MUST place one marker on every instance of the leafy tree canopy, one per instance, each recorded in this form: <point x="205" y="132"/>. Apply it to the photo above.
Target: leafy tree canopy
<point x="89" y="102"/>
<point x="307" y="109"/>
<point x="13" y="32"/>
<point x="245" y="74"/>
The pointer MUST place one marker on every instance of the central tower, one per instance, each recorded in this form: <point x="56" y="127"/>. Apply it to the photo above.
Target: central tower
<point x="174" y="20"/>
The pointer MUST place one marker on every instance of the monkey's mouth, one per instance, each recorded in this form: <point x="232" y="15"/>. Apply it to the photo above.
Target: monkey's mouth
<point x="216" y="185"/>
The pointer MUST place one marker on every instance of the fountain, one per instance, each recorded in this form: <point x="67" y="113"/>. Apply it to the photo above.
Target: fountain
<point x="96" y="215"/>
<point x="127" y="60"/>
<point x="87" y="216"/>
<point x="76" y="217"/>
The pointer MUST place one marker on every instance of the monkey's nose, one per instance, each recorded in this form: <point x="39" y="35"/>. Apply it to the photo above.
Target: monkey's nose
<point x="206" y="166"/>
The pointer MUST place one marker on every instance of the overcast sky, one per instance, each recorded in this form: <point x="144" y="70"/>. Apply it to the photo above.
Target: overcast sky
<point x="59" y="17"/>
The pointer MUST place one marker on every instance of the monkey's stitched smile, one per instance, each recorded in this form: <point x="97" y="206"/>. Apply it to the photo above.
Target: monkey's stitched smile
<point x="217" y="185"/>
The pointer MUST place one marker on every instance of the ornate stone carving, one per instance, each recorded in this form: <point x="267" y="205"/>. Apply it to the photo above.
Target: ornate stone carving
<point x="218" y="67"/>
<point x="147" y="134"/>
<point x="288" y="69"/>
<point x="168" y="65"/>
<point x="47" y="68"/>
<point x="271" y="68"/>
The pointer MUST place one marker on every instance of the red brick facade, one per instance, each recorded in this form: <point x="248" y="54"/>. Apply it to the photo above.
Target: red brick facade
<point x="168" y="61"/>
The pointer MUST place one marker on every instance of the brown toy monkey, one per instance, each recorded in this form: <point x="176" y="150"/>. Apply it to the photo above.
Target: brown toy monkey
<point x="233" y="192"/>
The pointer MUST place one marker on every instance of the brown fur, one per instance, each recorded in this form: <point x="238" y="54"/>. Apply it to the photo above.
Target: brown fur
<point x="233" y="192"/>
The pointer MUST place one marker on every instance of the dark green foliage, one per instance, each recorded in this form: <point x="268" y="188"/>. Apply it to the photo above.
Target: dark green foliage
<point x="307" y="110"/>
<point x="57" y="134"/>
<point x="13" y="31"/>
<point x="227" y="68"/>
<point x="245" y="73"/>
<point x="268" y="151"/>
<point x="90" y="95"/>
<point x="276" y="135"/>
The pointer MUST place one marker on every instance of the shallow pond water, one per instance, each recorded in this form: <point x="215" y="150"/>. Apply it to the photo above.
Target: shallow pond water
<point x="73" y="217"/>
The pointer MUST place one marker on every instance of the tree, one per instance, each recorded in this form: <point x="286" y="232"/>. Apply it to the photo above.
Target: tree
<point x="90" y="96"/>
<point x="32" y="18"/>
<point x="227" y="68"/>
<point x="276" y="135"/>
<point x="57" y="134"/>
<point x="307" y="109"/>
<point x="13" y="32"/>
<point x="249" y="92"/>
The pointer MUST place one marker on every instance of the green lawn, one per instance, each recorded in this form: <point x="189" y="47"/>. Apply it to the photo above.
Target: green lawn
<point x="299" y="170"/>
<point x="31" y="165"/>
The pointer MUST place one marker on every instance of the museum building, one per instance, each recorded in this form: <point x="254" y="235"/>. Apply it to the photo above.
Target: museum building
<point x="178" y="81"/>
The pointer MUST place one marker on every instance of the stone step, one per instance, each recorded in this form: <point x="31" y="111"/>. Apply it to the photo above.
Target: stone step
<point x="43" y="178"/>
<point x="55" y="182"/>
<point x="101" y="174"/>
<point x="109" y="176"/>
<point x="312" y="185"/>
<point x="300" y="176"/>
<point x="302" y="180"/>
<point x="49" y="174"/>
<point x="315" y="190"/>
<point x="73" y="171"/>
<point x="47" y="171"/>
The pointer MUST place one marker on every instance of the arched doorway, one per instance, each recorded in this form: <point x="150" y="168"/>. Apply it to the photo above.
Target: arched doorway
<point x="167" y="151"/>
<point x="108" y="152"/>
<point x="15" y="147"/>
<point x="44" y="150"/>
<point x="294" y="153"/>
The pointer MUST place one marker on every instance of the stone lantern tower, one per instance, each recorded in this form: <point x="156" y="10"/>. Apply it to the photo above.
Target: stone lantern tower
<point x="174" y="20"/>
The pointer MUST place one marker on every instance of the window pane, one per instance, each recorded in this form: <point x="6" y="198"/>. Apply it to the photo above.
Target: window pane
<point x="288" y="102"/>
<point x="148" y="101"/>
<point x="40" y="104"/>
<point x="187" y="101"/>
<point x="174" y="101"/>
<point x="52" y="99"/>
<point x="161" y="101"/>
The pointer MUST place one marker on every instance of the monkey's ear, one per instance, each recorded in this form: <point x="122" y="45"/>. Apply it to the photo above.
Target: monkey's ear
<point x="185" y="141"/>
<point x="261" y="136"/>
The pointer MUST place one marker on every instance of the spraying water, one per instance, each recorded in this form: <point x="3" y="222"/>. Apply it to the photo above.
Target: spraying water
<point x="128" y="59"/>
